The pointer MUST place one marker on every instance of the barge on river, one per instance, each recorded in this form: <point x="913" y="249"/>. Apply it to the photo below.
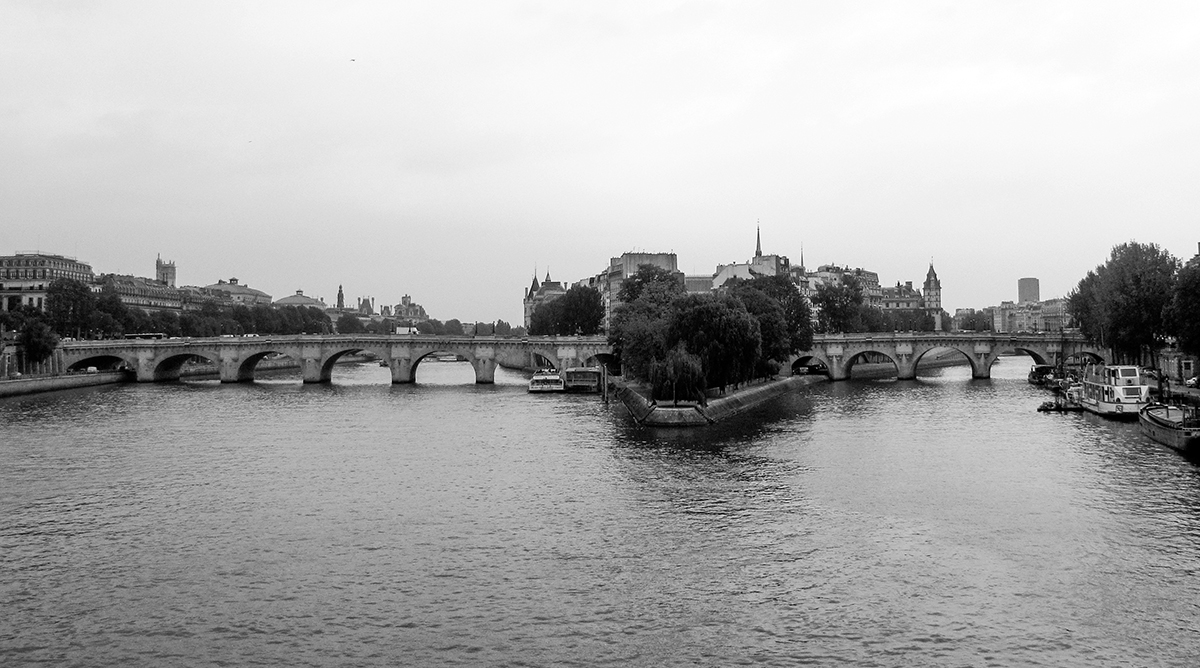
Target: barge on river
<point x="1174" y="426"/>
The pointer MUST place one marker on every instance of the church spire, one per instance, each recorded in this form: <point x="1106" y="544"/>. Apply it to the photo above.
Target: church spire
<point x="758" y="242"/>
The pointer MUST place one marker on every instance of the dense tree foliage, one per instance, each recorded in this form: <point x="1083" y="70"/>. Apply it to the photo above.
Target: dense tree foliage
<point x="37" y="340"/>
<point x="1184" y="313"/>
<point x="638" y="327"/>
<point x="979" y="321"/>
<point x="1123" y="303"/>
<point x="721" y="333"/>
<point x="683" y="343"/>
<point x="839" y="307"/>
<point x="679" y="376"/>
<point x="648" y="274"/>
<point x="348" y="323"/>
<point x="70" y="306"/>
<point x="796" y="311"/>
<point x="578" y="312"/>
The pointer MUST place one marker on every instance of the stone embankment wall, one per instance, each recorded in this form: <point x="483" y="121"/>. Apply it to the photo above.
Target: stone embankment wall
<point x="17" y="386"/>
<point x="694" y="415"/>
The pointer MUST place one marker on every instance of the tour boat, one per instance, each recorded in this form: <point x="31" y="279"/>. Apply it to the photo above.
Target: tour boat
<point x="1175" y="426"/>
<point x="546" y="380"/>
<point x="582" y="379"/>
<point x="1114" y="391"/>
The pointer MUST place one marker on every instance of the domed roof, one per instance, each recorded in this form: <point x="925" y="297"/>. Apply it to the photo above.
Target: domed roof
<point x="299" y="299"/>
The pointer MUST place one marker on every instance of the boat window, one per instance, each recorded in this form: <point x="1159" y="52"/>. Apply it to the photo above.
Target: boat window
<point x="1129" y="372"/>
<point x="1133" y="391"/>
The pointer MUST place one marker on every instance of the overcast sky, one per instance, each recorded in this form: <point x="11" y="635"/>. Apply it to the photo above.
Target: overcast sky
<point x="447" y="149"/>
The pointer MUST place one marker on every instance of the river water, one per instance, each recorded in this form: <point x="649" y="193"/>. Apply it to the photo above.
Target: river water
<point x="937" y="522"/>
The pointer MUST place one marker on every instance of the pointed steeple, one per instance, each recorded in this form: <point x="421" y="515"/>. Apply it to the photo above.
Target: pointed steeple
<point x="534" y="287"/>
<point x="758" y="242"/>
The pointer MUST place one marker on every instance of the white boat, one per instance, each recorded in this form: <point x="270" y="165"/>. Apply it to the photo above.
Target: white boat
<point x="1176" y="426"/>
<point x="546" y="380"/>
<point x="1114" y="391"/>
<point x="582" y="379"/>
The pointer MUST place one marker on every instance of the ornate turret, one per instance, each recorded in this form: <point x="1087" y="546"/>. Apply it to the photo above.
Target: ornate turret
<point x="933" y="295"/>
<point x="933" y="289"/>
<point x="164" y="272"/>
<point x="341" y="303"/>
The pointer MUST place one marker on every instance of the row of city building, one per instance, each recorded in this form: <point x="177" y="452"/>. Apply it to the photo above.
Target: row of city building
<point x="1027" y="314"/>
<point x="902" y="296"/>
<point x="25" y="279"/>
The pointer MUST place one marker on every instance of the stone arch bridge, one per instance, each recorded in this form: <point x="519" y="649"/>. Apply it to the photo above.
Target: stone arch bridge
<point x="236" y="357"/>
<point x="839" y="352"/>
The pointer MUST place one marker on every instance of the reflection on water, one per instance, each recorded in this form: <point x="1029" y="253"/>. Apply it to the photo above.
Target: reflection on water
<point x="941" y="521"/>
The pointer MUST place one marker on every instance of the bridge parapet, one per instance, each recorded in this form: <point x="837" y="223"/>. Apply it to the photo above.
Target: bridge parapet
<point x="236" y="357"/>
<point x="839" y="352"/>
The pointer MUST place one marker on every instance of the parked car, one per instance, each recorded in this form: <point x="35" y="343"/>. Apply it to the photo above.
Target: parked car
<point x="1190" y="382"/>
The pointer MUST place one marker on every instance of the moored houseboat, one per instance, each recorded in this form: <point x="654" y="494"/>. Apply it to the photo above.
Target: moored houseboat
<point x="582" y="379"/>
<point x="1114" y="391"/>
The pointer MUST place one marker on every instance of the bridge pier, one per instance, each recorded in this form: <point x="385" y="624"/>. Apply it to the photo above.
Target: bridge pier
<point x="312" y="371"/>
<point x="485" y="370"/>
<point x="401" y="368"/>
<point x="231" y="370"/>
<point x="837" y="368"/>
<point x="150" y="371"/>
<point x="906" y="364"/>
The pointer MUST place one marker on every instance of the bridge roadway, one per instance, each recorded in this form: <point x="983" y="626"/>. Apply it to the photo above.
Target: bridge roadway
<point x="236" y="357"/>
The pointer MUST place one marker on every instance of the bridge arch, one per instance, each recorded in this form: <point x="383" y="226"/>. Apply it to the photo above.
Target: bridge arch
<point x="917" y="357"/>
<point x="245" y="370"/>
<point x="541" y="359"/>
<point x="854" y="359"/>
<point x="1083" y="358"/>
<point x="809" y="364"/>
<point x="1037" y="355"/>
<point x="103" y="362"/>
<point x="170" y="366"/>
<point x="324" y="371"/>
<point x="438" y="353"/>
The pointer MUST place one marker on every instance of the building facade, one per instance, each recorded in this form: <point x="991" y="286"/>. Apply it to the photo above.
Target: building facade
<point x="25" y="276"/>
<point x="1028" y="290"/>
<point x="608" y="282"/>
<point x="541" y="293"/>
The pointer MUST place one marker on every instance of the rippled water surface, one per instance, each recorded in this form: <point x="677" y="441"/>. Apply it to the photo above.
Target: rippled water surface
<point x="869" y="523"/>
